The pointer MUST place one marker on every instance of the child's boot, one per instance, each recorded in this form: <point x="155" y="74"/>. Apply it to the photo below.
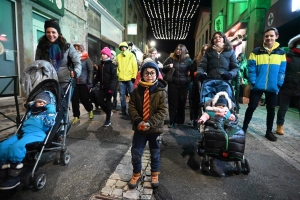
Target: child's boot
<point x="12" y="179"/>
<point x="154" y="179"/>
<point x="280" y="130"/>
<point x="135" y="179"/>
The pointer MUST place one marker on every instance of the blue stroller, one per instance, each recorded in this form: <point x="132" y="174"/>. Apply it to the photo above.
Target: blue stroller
<point x="221" y="139"/>
<point x="44" y="79"/>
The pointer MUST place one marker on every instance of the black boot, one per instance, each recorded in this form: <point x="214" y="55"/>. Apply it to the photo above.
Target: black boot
<point x="12" y="179"/>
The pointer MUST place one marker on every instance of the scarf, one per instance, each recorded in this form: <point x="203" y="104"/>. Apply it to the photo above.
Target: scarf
<point x="55" y="55"/>
<point x="84" y="55"/>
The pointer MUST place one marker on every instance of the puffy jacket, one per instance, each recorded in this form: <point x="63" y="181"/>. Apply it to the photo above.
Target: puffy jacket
<point x="158" y="107"/>
<point x="106" y="75"/>
<point x="215" y="64"/>
<point x="63" y="71"/>
<point x="182" y="68"/>
<point x="87" y="71"/>
<point x="127" y="66"/>
<point x="266" y="69"/>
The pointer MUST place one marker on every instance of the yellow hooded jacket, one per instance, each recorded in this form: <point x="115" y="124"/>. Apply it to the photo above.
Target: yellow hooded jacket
<point x="127" y="64"/>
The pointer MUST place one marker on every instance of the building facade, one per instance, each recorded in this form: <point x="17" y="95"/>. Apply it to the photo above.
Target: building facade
<point x="88" y="22"/>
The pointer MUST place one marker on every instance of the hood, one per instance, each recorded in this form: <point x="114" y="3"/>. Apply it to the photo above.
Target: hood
<point x="217" y="96"/>
<point x="293" y="41"/>
<point x="123" y="44"/>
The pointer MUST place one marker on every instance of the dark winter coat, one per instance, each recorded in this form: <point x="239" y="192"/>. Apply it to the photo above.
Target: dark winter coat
<point x="180" y="75"/>
<point x="87" y="72"/>
<point x="158" y="107"/>
<point x="292" y="73"/>
<point x="215" y="64"/>
<point x="106" y="75"/>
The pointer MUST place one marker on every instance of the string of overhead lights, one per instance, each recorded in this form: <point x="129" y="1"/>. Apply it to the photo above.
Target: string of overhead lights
<point x="170" y="19"/>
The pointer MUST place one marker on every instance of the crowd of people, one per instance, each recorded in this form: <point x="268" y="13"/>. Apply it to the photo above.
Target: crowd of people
<point x="153" y="95"/>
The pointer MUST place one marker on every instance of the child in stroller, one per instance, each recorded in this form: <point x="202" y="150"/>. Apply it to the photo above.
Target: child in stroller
<point x="222" y="137"/>
<point x="39" y="119"/>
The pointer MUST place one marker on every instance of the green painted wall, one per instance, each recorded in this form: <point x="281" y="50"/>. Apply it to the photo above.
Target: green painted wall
<point x="114" y="7"/>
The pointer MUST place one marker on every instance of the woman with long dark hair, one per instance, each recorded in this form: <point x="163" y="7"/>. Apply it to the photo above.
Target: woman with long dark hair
<point x="219" y="61"/>
<point x="180" y="61"/>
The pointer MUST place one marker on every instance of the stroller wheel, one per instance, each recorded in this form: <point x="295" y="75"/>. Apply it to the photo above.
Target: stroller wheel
<point x="247" y="166"/>
<point x="238" y="166"/>
<point x="39" y="181"/>
<point x="28" y="181"/>
<point x="65" y="158"/>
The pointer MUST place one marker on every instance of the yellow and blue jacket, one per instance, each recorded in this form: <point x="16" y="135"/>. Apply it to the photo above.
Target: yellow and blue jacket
<point x="266" y="68"/>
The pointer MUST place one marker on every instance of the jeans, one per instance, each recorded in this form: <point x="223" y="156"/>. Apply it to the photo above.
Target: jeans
<point x="123" y="87"/>
<point x="139" y="141"/>
<point x="104" y="102"/>
<point x="284" y="103"/>
<point x="271" y="101"/>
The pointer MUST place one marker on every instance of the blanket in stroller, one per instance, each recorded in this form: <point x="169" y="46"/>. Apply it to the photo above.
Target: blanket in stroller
<point x="224" y="139"/>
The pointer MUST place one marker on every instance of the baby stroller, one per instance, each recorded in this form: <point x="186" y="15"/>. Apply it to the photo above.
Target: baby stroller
<point x="221" y="139"/>
<point x="55" y="140"/>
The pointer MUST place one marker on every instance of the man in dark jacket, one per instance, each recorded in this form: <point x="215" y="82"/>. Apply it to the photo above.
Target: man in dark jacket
<point x="290" y="87"/>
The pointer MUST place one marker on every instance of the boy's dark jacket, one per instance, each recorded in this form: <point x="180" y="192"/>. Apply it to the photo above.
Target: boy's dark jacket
<point x="158" y="107"/>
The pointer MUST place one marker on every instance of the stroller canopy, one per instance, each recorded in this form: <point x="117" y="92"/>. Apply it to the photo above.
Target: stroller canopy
<point x="36" y="72"/>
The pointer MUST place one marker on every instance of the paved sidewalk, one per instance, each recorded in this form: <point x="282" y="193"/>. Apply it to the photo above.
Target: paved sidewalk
<point x="287" y="147"/>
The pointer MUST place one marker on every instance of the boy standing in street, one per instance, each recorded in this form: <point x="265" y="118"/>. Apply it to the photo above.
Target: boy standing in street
<point x="266" y="68"/>
<point x="147" y="109"/>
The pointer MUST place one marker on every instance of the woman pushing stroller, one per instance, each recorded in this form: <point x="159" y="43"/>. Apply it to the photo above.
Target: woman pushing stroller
<point x="39" y="119"/>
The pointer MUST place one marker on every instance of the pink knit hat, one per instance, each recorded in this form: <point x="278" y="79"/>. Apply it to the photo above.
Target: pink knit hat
<point x="106" y="51"/>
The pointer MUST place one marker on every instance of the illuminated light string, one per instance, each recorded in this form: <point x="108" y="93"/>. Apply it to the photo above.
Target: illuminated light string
<point x="170" y="19"/>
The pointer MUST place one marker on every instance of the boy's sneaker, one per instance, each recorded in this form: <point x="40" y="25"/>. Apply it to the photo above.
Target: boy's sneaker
<point x="107" y="123"/>
<point x="91" y="114"/>
<point x="270" y="136"/>
<point x="111" y="113"/>
<point x="75" y="120"/>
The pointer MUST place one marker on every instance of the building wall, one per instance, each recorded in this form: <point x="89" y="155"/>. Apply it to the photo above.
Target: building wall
<point x="202" y="35"/>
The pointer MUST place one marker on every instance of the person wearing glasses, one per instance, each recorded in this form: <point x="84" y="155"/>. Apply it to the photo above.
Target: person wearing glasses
<point x="180" y="61"/>
<point x="219" y="60"/>
<point x="147" y="109"/>
<point x="266" y="72"/>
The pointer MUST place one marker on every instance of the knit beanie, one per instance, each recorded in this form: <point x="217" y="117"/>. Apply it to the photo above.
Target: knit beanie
<point x="53" y="24"/>
<point x="222" y="101"/>
<point x="43" y="96"/>
<point x="149" y="63"/>
<point x="106" y="51"/>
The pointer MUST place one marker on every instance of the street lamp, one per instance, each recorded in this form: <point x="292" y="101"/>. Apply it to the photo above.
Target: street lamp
<point x="152" y="43"/>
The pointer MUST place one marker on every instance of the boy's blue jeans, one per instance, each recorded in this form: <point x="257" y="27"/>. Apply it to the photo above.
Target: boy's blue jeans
<point x="138" y="145"/>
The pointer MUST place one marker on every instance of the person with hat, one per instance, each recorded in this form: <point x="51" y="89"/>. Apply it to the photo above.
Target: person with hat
<point x="107" y="77"/>
<point x="221" y="106"/>
<point x="53" y="47"/>
<point x="218" y="113"/>
<point x="39" y="119"/>
<point x="83" y="84"/>
<point x="147" y="109"/>
<point x="126" y="72"/>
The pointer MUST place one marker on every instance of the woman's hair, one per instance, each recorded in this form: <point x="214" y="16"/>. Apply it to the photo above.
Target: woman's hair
<point x="44" y="44"/>
<point x="201" y="53"/>
<point x="184" y="52"/>
<point x="147" y="55"/>
<point x="152" y="49"/>
<point x="227" y="44"/>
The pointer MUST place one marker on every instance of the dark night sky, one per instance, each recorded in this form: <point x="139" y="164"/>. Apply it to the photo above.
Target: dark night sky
<point x="165" y="47"/>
